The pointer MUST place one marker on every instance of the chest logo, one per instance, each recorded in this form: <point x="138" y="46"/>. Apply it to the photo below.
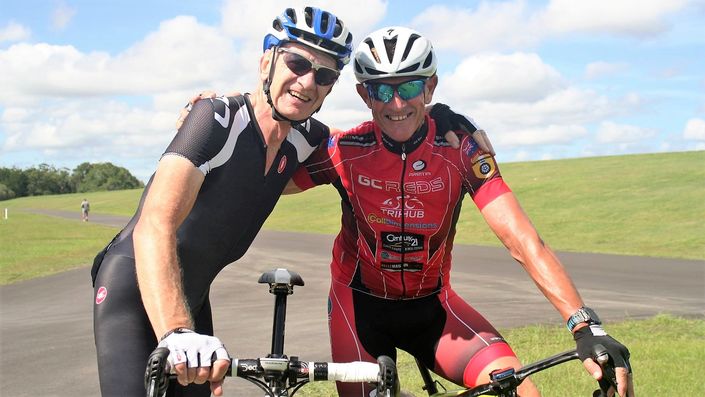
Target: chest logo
<point x="282" y="164"/>
<point x="419" y="165"/>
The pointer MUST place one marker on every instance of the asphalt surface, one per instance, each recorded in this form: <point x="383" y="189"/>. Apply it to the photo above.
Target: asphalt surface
<point x="46" y="330"/>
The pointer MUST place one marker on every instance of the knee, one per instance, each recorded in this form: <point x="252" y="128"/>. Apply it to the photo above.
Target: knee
<point x="495" y="356"/>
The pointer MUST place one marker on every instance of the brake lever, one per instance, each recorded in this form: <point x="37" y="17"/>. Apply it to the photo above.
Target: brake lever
<point x="609" y="378"/>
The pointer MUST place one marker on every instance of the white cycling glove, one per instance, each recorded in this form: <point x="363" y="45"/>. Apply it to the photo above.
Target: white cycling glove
<point x="196" y="350"/>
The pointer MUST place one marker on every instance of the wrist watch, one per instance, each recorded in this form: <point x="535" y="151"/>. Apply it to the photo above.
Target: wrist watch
<point x="583" y="315"/>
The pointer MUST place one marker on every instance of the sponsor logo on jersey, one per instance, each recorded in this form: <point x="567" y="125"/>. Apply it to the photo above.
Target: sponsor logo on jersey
<point x="101" y="295"/>
<point x="484" y="166"/>
<point x="409" y="242"/>
<point x="413" y="207"/>
<point x="418" y="165"/>
<point x="282" y="164"/>
<point x="374" y="218"/>
<point x="397" y="266"/>
<point x="414" y="187"/>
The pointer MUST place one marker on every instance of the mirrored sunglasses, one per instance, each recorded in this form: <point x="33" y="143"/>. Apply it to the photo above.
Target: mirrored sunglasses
<point x="300" y="65"/>
<point x="406" y="90"/>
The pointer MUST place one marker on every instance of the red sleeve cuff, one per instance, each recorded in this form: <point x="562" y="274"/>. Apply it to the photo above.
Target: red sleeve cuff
<point x="489" y="191"/>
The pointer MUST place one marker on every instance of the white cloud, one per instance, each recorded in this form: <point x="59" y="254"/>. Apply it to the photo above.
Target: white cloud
<point x="497" y="26"/>
<point x="14" y="31"/>
<point x="492" y="26"/>
<point x="694" y="130"/>
<point x="625" y="17"/>
<point x="599" y="69"/>
<point x="181" y="54"/>
<point x="517" y="77"/>
<point x="62" y="15"/>
<point x="610" y="132"/>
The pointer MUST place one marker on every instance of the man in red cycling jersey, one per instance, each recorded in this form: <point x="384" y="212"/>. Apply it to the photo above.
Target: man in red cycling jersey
<point x="402" y="186"/>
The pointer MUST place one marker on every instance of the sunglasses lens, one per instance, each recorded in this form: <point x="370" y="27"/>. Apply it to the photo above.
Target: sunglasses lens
<point x="385" y="92"/>
<point x="326" y="76"/>
<point x="297" y="64"/>
<point x="410" y="89"/>
<point x="300" y="66"/>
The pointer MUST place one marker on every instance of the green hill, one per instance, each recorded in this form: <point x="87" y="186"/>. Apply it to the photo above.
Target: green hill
<point x="650" y="205"/>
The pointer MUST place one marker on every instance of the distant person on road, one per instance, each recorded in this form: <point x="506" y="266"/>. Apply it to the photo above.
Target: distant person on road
<point x="85" y="209"/>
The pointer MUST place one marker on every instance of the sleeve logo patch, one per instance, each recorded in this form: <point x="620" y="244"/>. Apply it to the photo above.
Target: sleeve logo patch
<point x="484" y="167"/>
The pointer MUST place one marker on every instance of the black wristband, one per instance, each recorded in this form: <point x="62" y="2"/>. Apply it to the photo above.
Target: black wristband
<point x="177" y="330"/>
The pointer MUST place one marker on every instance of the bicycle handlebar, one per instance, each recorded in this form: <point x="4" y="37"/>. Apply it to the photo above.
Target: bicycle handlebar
<point x="283" y="371"/>
<point x="505" y="381"/>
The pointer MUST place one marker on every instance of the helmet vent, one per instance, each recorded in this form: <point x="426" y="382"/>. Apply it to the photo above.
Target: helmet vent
<point x="277" y="25"/>
<point x="409" y="69"/>
<point x="409" y="44"/>
<point x="390" y="45"/>
<point x="325" y="21"/>
<point x="291" y="14"/>
<point x="373" y="50"/>
<point x="428" y="61"/>
<point x="309" y="17"/>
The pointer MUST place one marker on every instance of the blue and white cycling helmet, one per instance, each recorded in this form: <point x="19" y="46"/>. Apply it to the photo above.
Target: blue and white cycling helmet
<point x="394" y="52"/>
<point x="312" y="27"/>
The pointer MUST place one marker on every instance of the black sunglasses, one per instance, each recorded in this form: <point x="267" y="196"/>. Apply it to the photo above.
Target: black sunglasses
<point x="300" y="65"/>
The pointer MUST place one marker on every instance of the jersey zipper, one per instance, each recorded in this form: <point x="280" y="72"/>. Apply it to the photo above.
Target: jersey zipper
<point x="403" y="220"/>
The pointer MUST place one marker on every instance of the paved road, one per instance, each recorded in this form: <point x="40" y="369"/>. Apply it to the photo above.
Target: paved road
<point x="46" y="324"/>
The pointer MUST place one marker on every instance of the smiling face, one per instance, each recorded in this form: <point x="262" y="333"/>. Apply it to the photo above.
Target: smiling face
<point x="399" y="118"/>
<point x="296" y="97"/>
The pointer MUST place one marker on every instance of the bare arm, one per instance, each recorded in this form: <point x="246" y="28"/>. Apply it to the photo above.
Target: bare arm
<point x="170" y="199"/>
<point x="510" y="223"/>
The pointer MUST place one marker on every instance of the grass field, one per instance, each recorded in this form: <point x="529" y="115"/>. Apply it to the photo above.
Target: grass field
<point x="666" y="355"/>
<point x="652" y="205"/>
<point x="649" y="205"/>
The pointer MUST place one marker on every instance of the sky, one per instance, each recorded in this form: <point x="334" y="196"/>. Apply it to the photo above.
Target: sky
<point x="97" y="81"/>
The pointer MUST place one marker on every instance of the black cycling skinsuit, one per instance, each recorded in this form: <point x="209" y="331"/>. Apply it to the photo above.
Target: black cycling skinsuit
<point x="222" y="139"/>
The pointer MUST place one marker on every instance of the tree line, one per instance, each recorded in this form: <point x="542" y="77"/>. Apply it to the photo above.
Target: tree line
<point x="46" y="179"/>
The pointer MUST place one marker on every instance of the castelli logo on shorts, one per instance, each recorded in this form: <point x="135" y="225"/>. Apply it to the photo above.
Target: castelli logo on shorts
<point x="282" y="165"/>
<point x="101" y="295"/>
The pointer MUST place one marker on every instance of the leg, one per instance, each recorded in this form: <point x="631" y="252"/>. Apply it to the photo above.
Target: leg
<point x="345" y="341"/>
<point x="467" y="334"/>
<point x="123" y="334"/>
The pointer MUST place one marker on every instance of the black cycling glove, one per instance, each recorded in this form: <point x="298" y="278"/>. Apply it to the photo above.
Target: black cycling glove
<point x="447" y="120"/>
<point x="592" y="339"/>
<point x="587" y="337"/>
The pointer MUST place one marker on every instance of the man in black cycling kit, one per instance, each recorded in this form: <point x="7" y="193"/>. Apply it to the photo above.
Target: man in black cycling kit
<point x="214" y="186"/>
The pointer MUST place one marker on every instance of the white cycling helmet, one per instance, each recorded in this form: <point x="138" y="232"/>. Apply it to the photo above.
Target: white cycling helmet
<point x="312" y="27"/>
<point x="394" y="52"/>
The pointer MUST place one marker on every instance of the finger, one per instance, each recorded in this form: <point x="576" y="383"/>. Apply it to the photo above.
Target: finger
<point x="452" y="139"/>
<point x="592" y="368"/>
<point x="207" y="94"/>
<point x="217" y="388"/>
<point x="202" y="375"/>
<point x="220" y="368"/>
<point x="192" y="372"/>
<point x="181" y="374"/>
<point x="622" y="381"/>
<point x="182" y="116"/>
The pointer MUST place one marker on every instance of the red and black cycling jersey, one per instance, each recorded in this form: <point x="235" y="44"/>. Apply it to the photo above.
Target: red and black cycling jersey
<point x="401" y="203"/>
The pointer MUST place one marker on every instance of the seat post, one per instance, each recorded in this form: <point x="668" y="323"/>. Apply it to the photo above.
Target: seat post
<point x="281" y="285"/>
